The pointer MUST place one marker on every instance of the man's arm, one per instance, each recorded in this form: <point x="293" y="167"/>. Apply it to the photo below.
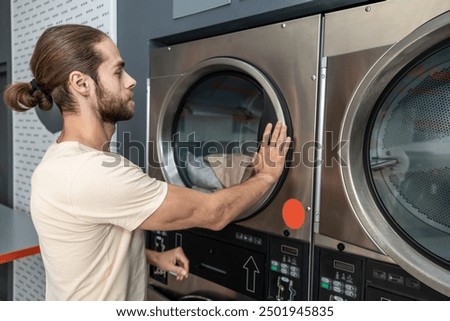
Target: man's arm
<point x="185" y="208"/>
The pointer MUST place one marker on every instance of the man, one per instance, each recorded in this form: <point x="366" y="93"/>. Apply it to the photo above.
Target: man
<point x="90" y="217"/>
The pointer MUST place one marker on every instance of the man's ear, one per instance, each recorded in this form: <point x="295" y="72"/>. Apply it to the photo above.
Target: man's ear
<point x="79" y="82"/>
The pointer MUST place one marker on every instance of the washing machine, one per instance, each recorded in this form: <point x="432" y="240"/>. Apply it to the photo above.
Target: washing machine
<point x="382" y="219"/>
<point x="210" y="100"/>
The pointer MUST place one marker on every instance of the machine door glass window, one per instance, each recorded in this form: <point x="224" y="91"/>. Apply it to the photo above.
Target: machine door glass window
<point x="410" y="153"/>
<point x="217" y="130"/>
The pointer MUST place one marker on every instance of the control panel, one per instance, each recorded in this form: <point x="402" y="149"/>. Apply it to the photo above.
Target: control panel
<point x="390" y="282"/>
<point x="340" y="277"/>
<point x="349" y="277"/>
<point x="288" y="270"/>
<point x="252" y="263"/>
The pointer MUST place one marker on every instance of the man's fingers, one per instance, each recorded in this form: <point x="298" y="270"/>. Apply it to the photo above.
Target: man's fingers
<point x="281" y="139"/>
<point x="266" y="135"/>
<point x="276" y="133"/>
<point x="286" y="145"/>
<point x="275" y="137"/>
<point x="181" y="273"/>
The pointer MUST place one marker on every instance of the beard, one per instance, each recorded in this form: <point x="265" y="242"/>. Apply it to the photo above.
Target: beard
<point x="113" y="109"/>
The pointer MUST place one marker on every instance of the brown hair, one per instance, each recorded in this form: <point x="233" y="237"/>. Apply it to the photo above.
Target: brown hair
<point x="59" y="51"/>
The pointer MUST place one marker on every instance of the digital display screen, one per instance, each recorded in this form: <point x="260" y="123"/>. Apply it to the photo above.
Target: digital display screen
<point x="347" y="267"/>
<point x="289" y="250"/>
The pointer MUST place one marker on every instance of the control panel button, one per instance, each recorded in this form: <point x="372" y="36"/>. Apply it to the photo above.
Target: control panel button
<point x="338" y="289"/>
<point x="350" y="287"/>
<point x="412" y="283"/>
<point x="257" y="241"/>
<point x="274" y="265"/>
<point x="350" y="293"/>
<point x="380" y="275"/>
<point x="295" y="269"/>
<point x="397" y="279"/>
<point x="338" y="283"/>
<point x="295" y="272"/>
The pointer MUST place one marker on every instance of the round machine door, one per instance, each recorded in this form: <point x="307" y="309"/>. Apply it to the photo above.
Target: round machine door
<point x="211" y="125"/>
<point x="403" y="106"/>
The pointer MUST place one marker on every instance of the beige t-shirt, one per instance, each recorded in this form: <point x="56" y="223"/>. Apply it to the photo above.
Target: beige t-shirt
<point x="87" y="206"/>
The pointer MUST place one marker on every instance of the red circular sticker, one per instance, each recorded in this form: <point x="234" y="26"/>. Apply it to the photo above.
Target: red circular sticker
<point x="293" y="214"/>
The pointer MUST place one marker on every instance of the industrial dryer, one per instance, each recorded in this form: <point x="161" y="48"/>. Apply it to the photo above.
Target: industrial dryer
<point x="382" y="220"/>
<point x="210" y="99"/>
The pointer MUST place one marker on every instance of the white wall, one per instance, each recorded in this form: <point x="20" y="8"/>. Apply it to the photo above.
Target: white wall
<point x="29" y="18"/>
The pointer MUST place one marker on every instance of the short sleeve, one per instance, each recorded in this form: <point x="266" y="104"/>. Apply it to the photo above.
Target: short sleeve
<point x="108" y="189"/>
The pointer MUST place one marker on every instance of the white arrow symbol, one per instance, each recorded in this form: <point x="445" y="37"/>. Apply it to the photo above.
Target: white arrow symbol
<point x="251" y="269"/>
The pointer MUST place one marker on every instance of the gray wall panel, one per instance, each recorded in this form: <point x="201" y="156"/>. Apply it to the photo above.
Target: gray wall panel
<point x="133" y="26"/>
<point x="6" y="167"/>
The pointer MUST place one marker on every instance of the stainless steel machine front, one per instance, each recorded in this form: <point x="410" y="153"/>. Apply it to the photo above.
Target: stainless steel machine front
<point x="383" y="221"/>
<point x="210" y="100"/>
